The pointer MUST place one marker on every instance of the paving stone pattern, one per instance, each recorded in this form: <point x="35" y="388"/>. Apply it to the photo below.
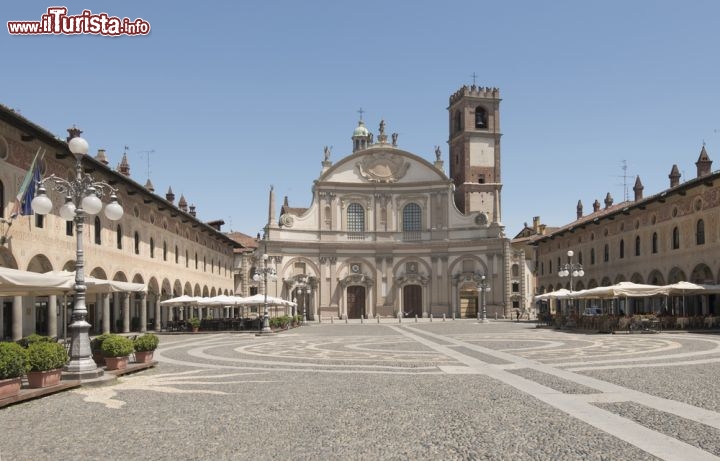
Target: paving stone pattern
<point x="455" y="390"/>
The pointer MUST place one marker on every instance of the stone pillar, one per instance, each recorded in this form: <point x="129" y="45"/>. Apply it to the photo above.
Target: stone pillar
<point x="106" y="313"/>
<point x="52" y="316"/>
<point x="143" y="313"/>
<point x="115" y="310"/>
<point x="126" y="312"/>
<point x="155" y="304"/>
<point x="17" y="313"/>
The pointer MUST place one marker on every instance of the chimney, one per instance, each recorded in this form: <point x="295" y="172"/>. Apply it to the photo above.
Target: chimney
<point x="73" y="132"/>
<point x="170" y="197"/>
<point x="536" y="224"/>
<point x="596" y="206"/>
<point x="674" y="176"/>
<point x="101" y="157"/>
<point x="608" y="201"/>
<point x="638" y="189"/>
<point x="579" y="209"/>
<point x="182" y="203"/>
<point x="704" y="164"/>
<point x="149" y="186"/>
<point x="192" y="211"/>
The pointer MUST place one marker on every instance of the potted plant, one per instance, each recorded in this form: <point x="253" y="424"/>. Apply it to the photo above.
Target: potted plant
<point x="144" y="347"/>
<point x="116" y="350"/>
<point x="45" y="362"/>
<point x="13" y="365"/>
<point x="194" y="324"/>
<point x="96" y="348"/>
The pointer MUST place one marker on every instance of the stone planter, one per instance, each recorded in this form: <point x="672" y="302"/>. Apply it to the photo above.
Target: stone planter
<point x="10" y="387"/>
<point x="143" y="356"/>
<point x="99" y="358"/>
<point x="38" y="379"/>
<point x="116" y="363"/>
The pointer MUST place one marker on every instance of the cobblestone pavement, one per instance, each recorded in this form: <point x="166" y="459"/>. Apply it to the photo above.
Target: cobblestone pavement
<point x="441" y="390"/>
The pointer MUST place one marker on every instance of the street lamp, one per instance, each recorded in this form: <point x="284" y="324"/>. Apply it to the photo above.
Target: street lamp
<point x="482" y="288"/>
<point x="572" y="270"/>
<point x="305" y="292"/>
<point x="82" y="196"/>
<point x="263" y="274"/>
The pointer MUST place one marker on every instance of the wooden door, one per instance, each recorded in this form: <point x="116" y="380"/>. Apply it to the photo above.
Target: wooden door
<point x="412" y="300"/>
<point x="355" y="302"/>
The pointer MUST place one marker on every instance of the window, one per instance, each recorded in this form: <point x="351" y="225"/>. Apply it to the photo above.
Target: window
<point x="700" y="232"/>
<point x="2" y="186"/>
<point x="655" y="243"/>
<point x="622" y="249"/>
<point x="356" y="221"/>
<point x="606" y="253"/>
<point x="69" y="228"/>
<point x="39" y="221"/>
<point x="515" y="287"/>
<point x="592" y="256"/>
<point x="480" y="117"/>
<point x="187" y="259"/>
<point x="481" y="179"/>
<point x="196" y="260"/>
<point x="412" y="217"/>
<point x="177" y="255"/>
<point x="515" y="270"/>
<point x="550" y="266"/>
<point x="580" y="258"/>
<point x="164" y="251"/>
<point x="137" y="243"/>
<point x="118" y="236"/>
<point x="152" y="248"/>
<point x="98" y="231"/>
<point x="204" y="264"/>
<point x="637" y="246"/>
<point x="676" y="238"/>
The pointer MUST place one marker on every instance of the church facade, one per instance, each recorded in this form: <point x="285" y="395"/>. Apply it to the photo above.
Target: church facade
<point x="389" y="233"/>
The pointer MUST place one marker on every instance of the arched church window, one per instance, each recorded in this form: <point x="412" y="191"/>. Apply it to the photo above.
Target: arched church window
<point x="119" y="237"/>
<point x="355" y="221"/>
<point x="480" y="117"/>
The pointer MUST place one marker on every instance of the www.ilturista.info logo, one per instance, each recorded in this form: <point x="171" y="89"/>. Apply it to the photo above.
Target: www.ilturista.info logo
<point x="57" y="22"/>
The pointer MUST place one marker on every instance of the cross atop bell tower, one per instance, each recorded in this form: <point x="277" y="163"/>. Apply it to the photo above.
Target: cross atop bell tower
<point x="474" y="116"/>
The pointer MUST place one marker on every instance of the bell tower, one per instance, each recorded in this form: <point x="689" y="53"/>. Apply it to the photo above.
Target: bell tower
<point x="474" y="141"/>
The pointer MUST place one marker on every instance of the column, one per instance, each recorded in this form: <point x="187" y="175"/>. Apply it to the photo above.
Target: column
<point x="17" y="318"/>
<point x="126" y="312"/>
<point x="156" y="305"/>
<point x="143" y="313"/>
<point x="106" y="313"/>
<point x="115" y="311"/>
<point x="52" y="316"/>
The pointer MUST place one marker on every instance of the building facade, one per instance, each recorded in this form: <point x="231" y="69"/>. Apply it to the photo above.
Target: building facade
<point x="388" y="233"/>
<point x="665" y="238"/>
<point x="157" y="242"/>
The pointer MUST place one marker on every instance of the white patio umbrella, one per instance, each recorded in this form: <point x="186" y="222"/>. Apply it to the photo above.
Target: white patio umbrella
<point x="681" y="288"/>
<point x="180" y="301"/>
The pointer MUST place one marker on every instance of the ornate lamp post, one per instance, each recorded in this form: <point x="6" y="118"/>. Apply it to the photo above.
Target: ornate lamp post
<point x="82" y="196"/>
<point x="305" y="292"/>
<point x="482" y="288"/>
<point x="572" y="270"/>
<point x="263" y="274"/>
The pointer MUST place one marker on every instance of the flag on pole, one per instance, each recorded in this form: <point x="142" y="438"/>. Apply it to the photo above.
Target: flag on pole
<point x="27" y="189"/>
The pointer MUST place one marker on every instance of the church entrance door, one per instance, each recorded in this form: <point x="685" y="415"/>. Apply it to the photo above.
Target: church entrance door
<point x="412" y="300"/>
<point x="355" y="302"/>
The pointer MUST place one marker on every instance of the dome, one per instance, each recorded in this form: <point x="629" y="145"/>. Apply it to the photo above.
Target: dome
<point x="360" y="130"/>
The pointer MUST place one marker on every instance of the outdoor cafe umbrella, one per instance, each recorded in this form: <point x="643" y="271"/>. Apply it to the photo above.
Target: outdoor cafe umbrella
<point x="683" y="287"/>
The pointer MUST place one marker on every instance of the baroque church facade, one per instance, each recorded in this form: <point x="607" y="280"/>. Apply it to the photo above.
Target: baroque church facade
<point x="389" y="233"/>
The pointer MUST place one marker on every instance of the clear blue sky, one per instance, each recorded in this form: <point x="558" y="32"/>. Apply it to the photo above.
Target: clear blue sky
<point x="234" y="96"/>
